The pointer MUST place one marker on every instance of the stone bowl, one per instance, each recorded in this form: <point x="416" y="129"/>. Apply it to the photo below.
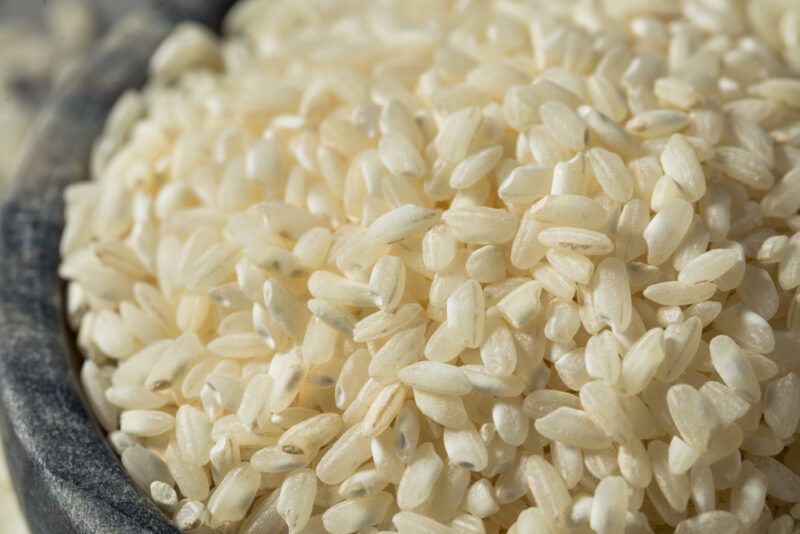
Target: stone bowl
<point x="66" y="476"/>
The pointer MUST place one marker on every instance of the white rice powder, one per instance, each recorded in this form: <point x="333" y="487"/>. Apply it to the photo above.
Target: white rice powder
<point x="445" y="267"/>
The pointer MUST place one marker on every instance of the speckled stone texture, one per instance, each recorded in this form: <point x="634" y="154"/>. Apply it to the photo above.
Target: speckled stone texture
<point x="67" y="478"/>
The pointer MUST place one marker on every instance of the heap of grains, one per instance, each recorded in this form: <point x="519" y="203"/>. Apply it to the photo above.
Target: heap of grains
<point x="435" y="266"/>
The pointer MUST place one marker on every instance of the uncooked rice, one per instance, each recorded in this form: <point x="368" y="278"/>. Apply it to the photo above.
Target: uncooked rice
<point x="438" y="267"/>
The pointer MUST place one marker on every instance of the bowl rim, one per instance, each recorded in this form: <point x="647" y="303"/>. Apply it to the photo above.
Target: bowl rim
<point x="66" y="476"/>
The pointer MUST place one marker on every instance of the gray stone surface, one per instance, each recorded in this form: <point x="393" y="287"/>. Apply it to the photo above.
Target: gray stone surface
<point x="67" y="477"/>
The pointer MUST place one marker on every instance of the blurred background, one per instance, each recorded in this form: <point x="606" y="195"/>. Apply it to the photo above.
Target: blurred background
<point x="40" y="42"/>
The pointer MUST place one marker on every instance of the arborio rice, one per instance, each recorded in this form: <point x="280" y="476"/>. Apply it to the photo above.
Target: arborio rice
<point x="433" y="266"/>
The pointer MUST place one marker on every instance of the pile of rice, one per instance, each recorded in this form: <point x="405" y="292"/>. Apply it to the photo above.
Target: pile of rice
<point x="437" y="266"/>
